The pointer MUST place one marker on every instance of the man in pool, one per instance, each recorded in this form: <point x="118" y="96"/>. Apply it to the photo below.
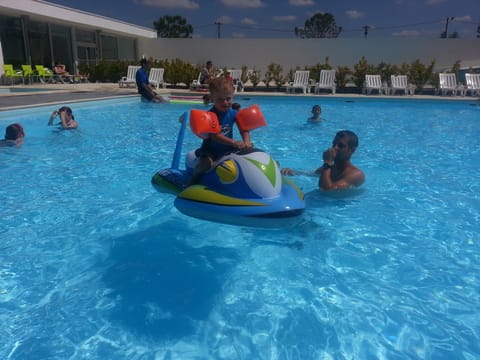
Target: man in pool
<point x="337" y="172"/>
<point x="67" y="120"/>
<point x="14" y="135"/>
<point x="316" y="114"/>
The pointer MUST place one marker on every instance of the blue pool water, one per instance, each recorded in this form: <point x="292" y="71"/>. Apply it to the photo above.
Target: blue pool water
<point x="95" y="264"/>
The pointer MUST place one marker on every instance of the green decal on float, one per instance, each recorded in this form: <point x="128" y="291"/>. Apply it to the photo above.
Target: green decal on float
<point x="268" y="170"/>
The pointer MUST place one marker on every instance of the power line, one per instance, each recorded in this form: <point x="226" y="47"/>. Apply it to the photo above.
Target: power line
<point x="291" y="30"/>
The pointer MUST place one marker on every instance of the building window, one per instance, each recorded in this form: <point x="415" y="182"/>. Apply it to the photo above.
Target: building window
<point x="62" y="46"/>
<point x="109" y="48"/>
<point x="12" y="41"/>
<point x="84" y="36"/>
<point x="39" y="43"/>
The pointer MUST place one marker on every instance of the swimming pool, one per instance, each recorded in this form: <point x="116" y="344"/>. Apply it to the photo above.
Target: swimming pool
<point x="94" y="263"/>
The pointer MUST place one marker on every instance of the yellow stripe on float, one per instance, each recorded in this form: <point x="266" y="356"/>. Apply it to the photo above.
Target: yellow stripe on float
<point x="204" y="194"/>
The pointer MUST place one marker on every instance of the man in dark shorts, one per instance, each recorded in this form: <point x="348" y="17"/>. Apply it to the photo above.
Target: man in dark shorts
<point x="143" y="85"/>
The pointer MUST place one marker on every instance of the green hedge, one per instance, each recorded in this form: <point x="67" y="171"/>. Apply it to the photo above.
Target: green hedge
<point x="179" y="73"/>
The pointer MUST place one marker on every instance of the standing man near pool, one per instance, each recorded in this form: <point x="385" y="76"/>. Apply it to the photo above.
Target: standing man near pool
<point x="143" y="85"/>
<point x="337" y="171"/>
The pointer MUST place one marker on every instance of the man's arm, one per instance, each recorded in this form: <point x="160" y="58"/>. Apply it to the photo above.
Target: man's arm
<point x="352" y="177"/>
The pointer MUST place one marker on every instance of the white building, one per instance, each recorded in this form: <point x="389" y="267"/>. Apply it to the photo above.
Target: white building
<point x="36" y="32"/>
<point x="40" y="33"/>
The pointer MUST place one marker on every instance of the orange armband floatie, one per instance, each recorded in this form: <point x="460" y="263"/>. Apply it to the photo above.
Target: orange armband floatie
<point x="250" y="118"/>
<point x="204" y="122"/>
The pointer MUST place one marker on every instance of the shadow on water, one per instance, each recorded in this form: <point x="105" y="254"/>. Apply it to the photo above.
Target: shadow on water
<point x="161" y="285"/>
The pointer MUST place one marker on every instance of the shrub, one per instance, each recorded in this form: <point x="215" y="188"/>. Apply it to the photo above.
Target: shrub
<point x="342" y="76"/>
<point x="254" y="77"/>
<point x="361" y="69"/>
<point x="316" y="69"/>
<point x="421" y="74"/>
<point x="274" y="73"/>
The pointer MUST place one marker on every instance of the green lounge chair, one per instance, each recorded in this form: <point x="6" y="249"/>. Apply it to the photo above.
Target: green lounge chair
<point x="44" y="74"/>
<point x="28" y="73"/>
<point x="12" y="74"/>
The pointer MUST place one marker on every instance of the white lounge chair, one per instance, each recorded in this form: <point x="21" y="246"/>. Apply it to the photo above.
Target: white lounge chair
<point x="473" y="84"/>
<point x="326" y="81"/>
<point x="236" y="75"/>
<point x="195" y="85"/>
<point x="400" y="82"/>
<point x="448" y="83"/>
<point x="300" y="81"/>
<point x="156" y="77"/>
<point x="128" y="80"/>
<point x="374" y="82"/>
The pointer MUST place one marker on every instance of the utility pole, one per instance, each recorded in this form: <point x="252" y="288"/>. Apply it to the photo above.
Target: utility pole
<point x="365" y="30"/>
<point x="218" y="23"/>
<point x="450" y="18"/>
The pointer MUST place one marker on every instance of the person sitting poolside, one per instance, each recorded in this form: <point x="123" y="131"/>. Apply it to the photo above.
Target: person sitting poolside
<point x="61" y="72"/>
<point x="145" y="89"/>
<point x="207" y="73"/>
<point x="14" y="135"/>
<point x="316" y="112"/>
<point x="337" y="172"/>
<point x="67" y="120"/>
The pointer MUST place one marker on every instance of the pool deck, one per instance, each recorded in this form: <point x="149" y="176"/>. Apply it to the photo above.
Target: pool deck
<point x="70" y="93"/>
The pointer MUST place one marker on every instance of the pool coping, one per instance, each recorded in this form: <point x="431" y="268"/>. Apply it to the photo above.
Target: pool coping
<point x="52" y="94"/>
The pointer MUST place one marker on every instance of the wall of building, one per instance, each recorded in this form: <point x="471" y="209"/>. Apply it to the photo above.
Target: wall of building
<point x="290" y="53"/>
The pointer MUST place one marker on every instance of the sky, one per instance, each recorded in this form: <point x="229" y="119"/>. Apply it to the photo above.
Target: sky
<point x="278" y="18"/>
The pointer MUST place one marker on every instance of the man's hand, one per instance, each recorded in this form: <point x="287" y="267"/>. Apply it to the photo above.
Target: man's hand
<point x="287" y="171"/>
<point x="329" y="155"/>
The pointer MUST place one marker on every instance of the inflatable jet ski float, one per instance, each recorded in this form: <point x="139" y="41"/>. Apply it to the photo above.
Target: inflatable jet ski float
<point x="239" y="188"/>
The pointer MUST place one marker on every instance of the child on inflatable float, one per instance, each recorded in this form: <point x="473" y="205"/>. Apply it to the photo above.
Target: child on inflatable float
<point x="219" y="142"/>
<point x="236" y="183"/>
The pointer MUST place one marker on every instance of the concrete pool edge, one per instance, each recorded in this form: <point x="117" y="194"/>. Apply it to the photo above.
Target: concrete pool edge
<point x="51" y="94"/>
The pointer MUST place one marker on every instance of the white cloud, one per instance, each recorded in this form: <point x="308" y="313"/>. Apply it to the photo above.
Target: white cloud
<point x="171" y="4"/>
<point x="466" y="18"/>
<point x="311" y="13"/>
<point x="224" y="20"/>
<point x="248" y="21"/>
<point x="435" y="2"/>
<point x="301" y="2"/>
<point x="243" y="3"/>
<point x="355" y="14"/>
<point x="287" y="18"/>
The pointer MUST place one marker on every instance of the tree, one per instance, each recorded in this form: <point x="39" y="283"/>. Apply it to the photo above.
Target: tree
<point x="173" y="27"/>
<point x="319" y="26"/>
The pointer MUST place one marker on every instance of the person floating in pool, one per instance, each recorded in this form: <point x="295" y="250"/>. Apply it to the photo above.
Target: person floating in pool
<point x="316" y="112"/>
<point x="145" y="89"/>
<point x="337" y="172"/>
<point x="14" y="135"/>
<point x="67" y="120"/>
<point x="219" y="144"/>
<point x="206" y="99"/>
